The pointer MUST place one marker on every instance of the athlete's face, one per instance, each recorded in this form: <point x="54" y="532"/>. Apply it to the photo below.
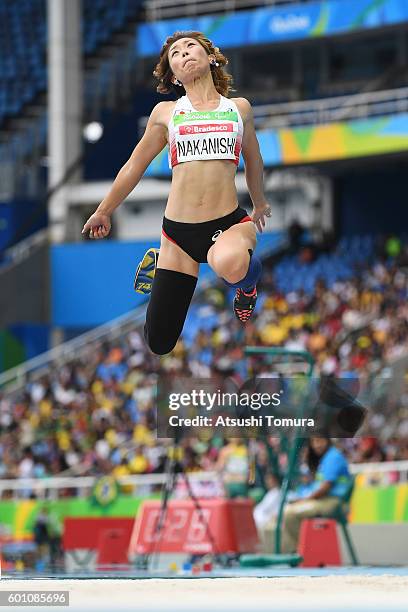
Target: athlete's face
<point x="188" y="59"/>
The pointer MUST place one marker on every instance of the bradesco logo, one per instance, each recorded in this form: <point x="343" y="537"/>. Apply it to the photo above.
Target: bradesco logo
<point x="205" y="128"/>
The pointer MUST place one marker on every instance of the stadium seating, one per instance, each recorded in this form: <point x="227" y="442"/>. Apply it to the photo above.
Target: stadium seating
<point x="102" y="18"/>
<point x="98" y="410"/>
<point x="22" y="61"/>
<point x="23" y="32"/>
<point x="292" y="276"/>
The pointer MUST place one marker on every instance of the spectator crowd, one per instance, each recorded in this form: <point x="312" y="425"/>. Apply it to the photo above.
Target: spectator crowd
<point x="95" y="414"/>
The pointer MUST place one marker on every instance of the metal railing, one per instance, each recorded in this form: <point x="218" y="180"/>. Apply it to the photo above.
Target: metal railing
<point x="16" y="377"/>
<point x="326" y="110"/>
<point x="330" y="110"/>
<point x="23" y="249"/>
<point x="165" y="9"/>
<point x="49" y="487"/>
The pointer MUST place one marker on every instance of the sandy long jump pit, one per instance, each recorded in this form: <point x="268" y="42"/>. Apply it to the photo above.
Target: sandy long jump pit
<point x="329" y="593"/>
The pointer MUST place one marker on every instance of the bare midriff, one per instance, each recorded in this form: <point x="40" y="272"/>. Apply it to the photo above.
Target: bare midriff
<point x="201" y="190"/>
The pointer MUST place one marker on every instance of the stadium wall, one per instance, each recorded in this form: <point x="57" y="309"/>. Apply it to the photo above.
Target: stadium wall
<point x="370" y="506"/>
<point x="19" y="516"/>
<point x="24" y="308"/>
<point x="18" y="219"/>
<point x="19" y="343"/>
<point x="279" y="24"/>
<point x="11" y="350"/>
<point x="24" y="296"/>
<point x="120" y="136"/>
<point x="92" y="283"/>
<point x="372" y="201"/>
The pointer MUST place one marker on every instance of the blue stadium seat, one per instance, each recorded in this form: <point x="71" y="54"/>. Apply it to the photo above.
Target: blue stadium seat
<point x="23" y="32"/>
<point x="291" y="275"/>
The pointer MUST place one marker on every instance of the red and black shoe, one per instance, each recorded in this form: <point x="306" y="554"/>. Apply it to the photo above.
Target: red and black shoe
<point x="244" y="304"/>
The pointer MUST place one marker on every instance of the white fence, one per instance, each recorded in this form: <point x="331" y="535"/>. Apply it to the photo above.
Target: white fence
<point x="376" y="473"/>
<point x="81" y="486"/>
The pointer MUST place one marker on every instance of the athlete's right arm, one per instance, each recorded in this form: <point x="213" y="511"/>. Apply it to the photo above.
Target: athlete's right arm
<point x="153" y="141"/>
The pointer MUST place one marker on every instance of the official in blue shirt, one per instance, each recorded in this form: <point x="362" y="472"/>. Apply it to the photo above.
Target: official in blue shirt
<point x="330" y="466"/>
<point x="331" y="480"/>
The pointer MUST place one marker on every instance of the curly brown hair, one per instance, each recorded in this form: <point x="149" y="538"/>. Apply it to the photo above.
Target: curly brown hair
<point x="223" y="81"/>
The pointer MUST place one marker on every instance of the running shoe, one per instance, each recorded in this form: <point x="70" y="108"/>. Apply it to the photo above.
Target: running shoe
<point x="244" y="304"/>
<point x="145" y="272"/>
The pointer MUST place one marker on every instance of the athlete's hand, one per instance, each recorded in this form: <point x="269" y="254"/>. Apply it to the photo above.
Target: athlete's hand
<point x="98" y="226"/>
<point x="259" y="213"/>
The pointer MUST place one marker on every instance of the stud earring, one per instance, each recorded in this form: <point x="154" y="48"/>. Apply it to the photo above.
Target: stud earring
<point x="177" y="82"/>
<point x="214" y="63"/>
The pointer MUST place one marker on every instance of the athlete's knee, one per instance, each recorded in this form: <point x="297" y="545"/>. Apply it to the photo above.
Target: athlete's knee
<point x="237" y="273"/>
<point x="232" y="264"/>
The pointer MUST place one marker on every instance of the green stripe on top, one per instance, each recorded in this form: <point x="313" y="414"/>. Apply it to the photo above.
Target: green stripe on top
<point x="210" y="116"/>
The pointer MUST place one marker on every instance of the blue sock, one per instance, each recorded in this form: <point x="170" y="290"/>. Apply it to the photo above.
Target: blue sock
<point x="251" y="277"/>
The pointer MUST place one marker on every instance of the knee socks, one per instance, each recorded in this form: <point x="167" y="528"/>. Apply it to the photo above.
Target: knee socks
<point x="252" y="276"/>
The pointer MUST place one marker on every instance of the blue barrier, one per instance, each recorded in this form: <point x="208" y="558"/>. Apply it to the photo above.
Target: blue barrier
<point x="92" y="282"/>
<point x="279" y="24"/>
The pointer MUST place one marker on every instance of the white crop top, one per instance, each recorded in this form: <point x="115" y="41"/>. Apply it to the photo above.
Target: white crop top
<point x="199" y="135"/>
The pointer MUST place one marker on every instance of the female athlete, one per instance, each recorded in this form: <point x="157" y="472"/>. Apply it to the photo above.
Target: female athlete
<point x="206" y="131"/>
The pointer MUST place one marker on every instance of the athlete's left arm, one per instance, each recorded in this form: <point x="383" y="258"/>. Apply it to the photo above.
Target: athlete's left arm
<point x="253" y="164"/>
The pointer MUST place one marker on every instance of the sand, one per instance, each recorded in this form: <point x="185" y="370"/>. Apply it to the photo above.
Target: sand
<point x="354" y="592"/>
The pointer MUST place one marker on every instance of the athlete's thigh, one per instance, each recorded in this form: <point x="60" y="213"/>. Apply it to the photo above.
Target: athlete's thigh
<point x="239" y="237"/>
<point x="172" y="257"/>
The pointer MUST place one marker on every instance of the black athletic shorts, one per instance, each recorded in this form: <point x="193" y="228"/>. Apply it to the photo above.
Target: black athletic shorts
<point x="196" y="238"/>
